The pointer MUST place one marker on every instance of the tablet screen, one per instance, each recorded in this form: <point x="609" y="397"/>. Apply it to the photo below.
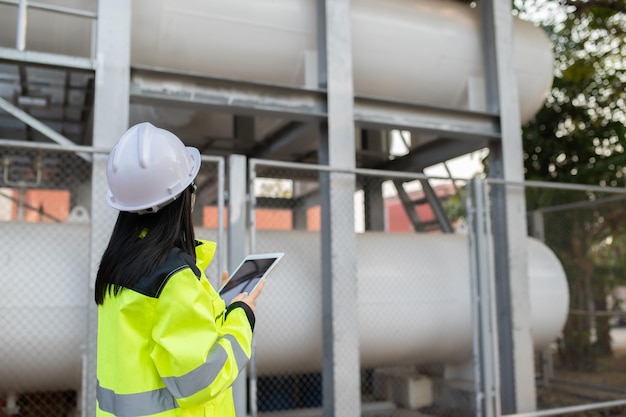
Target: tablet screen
<point x="248" y="275"/>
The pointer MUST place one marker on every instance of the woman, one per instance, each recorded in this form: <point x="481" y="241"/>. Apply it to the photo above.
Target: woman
<point x="167" y="344"/>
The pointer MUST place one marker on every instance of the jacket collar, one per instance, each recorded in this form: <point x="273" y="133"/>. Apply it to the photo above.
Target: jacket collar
<point x="205" y="250"/>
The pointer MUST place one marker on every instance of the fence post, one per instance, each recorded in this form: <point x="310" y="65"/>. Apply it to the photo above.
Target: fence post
<point x="484" y="321"/>
<point x="537" y="230"/>
<point x="237" y="224"/>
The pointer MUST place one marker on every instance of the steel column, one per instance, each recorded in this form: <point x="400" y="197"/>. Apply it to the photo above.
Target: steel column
<point x="110" y="122"/>
<point x="341" y="370"/>
<point x="237" y="225"/>
<point x="509" y="208"/>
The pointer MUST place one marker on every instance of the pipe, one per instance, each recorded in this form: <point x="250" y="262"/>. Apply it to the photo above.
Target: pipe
<point x="572" y="409"/>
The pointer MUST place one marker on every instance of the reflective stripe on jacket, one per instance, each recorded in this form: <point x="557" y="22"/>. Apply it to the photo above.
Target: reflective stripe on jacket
<point x="168" y="346"/>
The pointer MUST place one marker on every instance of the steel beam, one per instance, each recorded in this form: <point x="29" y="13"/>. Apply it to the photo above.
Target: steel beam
<point x="47" y="59"/>
<point x="442" y="149"/>
<point x="379" y="114"/>
<point x="154" y="86"/>
<point x="161" y="87"/>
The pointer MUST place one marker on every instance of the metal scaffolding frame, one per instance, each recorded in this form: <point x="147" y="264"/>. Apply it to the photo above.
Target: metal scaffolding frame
<point x="458" y="132"/>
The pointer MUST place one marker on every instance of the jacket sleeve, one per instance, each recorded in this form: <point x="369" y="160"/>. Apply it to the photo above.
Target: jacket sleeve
<point x="196" y="360"/>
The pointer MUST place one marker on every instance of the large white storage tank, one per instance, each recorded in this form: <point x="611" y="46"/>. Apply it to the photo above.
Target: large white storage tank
<point x="413" y="298"/>
<point x="44" y="302"/>
<point x="420" y="51"/>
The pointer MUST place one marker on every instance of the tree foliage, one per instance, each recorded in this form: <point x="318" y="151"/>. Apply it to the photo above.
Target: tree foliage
<point x="580" y="137"/>
<point x="580" y="134"/>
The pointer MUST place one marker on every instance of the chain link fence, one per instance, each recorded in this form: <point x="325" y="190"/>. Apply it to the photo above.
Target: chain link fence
<point x="44" y="214"/>
<point x="412" y="272"/>
<point x="46" y="226"/>
<point x="413" y="291"/>
<point x="585" y="227"/>
<point x="574" y="253"/>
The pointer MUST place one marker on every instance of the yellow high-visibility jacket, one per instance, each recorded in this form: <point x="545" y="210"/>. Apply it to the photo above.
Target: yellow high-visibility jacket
<point x="168" y="346"/>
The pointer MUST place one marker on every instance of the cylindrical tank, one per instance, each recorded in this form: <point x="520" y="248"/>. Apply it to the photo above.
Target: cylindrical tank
<point x="413" y="300"/>
<point x="426" y="51"/>
<point x="422" y="51"/>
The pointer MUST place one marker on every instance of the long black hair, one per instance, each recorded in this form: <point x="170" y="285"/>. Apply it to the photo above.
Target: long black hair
<point x="141" y="242"/>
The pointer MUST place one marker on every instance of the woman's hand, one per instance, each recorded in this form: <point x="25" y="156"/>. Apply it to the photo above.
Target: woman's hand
<point x="249" y="299"/>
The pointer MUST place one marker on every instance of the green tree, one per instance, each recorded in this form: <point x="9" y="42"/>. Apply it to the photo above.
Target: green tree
<point x="580" y="137"/>
<point x="580" y="134"/>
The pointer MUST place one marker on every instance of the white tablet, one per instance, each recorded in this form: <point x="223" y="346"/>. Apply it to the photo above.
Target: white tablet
<point x="248" y="274"/>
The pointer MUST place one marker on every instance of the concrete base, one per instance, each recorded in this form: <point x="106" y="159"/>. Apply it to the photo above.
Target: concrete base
<point x="455" y="395"/>
<point x="404" y="387"/>
<point x="413" y="391"/>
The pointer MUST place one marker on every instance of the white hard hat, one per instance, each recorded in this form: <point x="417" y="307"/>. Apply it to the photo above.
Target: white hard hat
<point x="148" y="168"/>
